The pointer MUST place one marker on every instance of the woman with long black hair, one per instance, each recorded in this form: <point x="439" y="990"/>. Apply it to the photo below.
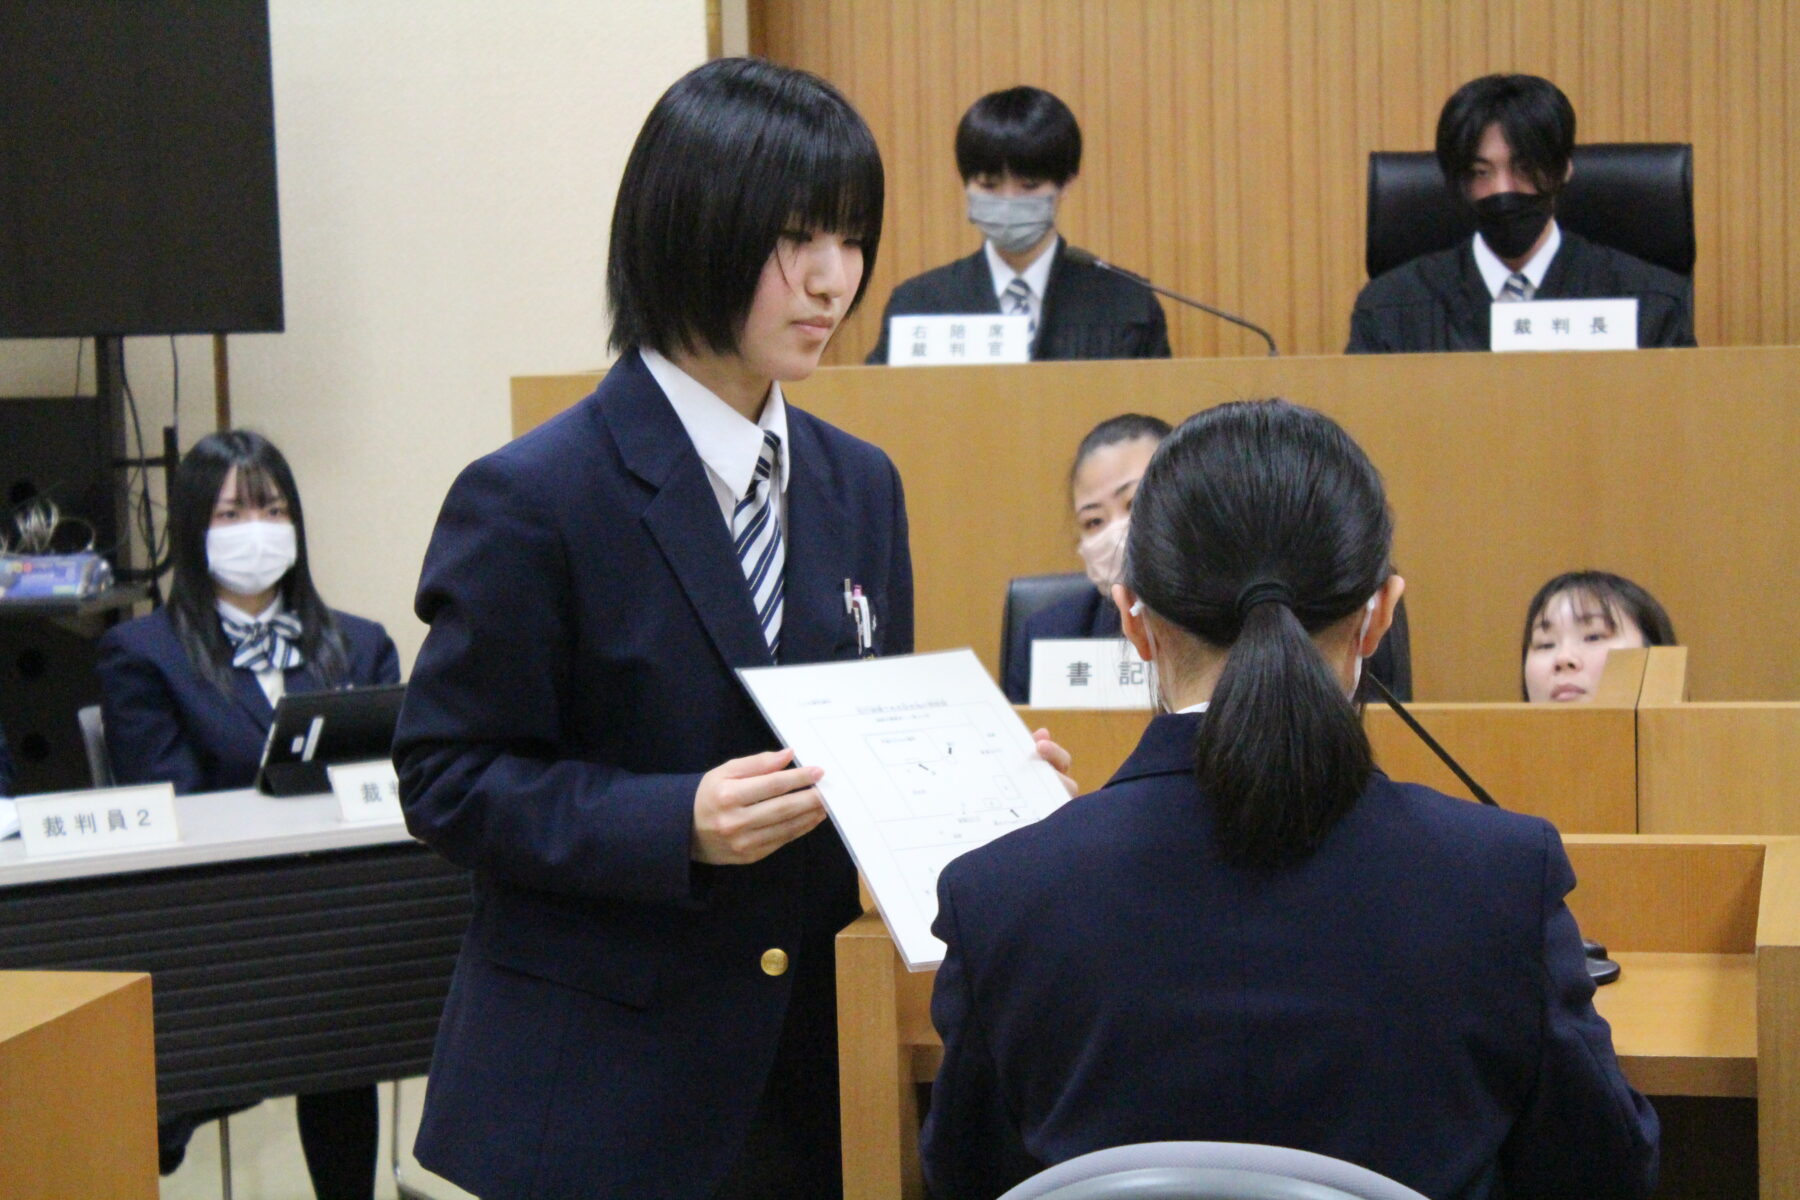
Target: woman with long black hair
<point x="188" y="694"/>
<point x="1251" y="934"/>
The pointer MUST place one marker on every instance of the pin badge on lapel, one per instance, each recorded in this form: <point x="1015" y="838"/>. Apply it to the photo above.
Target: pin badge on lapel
<point x="862" y="617"/>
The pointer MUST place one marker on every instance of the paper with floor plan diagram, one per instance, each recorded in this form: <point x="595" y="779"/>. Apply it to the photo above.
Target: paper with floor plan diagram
<point x="924" y="760"/>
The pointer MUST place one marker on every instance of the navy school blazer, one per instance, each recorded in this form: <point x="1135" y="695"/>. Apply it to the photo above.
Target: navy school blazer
<point x="1413" y="998"/>
<point x="610" y="1026"/>
<point x="165" y="721"/>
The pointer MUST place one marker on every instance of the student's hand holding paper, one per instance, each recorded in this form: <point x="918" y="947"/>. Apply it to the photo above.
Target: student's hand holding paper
<point x="748" y="808"/>
<point x="1059" y="759"/>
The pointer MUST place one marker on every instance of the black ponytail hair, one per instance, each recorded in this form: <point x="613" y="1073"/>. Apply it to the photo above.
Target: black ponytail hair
<point x="1256" y="525"/>
<point x="263" y="475"/>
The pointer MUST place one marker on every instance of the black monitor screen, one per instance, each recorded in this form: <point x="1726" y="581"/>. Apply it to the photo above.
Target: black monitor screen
<point x="137" y="168"/>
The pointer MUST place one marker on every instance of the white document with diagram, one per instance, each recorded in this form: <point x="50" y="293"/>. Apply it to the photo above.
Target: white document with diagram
<point x="924" y="760"/>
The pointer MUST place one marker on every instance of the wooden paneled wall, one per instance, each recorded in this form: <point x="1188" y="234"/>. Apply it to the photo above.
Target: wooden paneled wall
<point x="1227" y="140"/>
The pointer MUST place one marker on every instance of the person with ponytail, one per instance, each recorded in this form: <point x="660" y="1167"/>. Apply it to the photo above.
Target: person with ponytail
<point x="1251" y="934"/>
<point x="188" y="695"/>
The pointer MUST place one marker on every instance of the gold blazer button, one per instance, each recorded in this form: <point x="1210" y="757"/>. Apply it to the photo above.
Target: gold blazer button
<point x="775" y="961"/>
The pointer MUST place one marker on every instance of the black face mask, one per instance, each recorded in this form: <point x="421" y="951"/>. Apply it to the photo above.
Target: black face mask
<point x="1510" y="222"/>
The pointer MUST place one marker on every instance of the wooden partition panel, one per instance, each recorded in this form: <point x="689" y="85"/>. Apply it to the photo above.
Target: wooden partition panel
<point x="1226" y="143"/>
<point x="1674" y="467"/>
<point x="1719" y="768"/>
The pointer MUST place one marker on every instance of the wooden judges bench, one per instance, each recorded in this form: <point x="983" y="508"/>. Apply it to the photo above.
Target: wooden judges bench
<point x="1673" y="467"/>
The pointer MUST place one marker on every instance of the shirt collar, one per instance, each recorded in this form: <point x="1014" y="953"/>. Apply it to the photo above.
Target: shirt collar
<point x="234" y="613"/>
<point x="1036" y="276"/>
<point x="1495" y="273"/>
<point x="727" y="443"/>
<point x="1195" y="708"/>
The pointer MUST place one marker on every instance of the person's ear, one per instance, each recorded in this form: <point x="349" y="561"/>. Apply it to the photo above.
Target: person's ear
<point x="1132" y="622"/>
<point x="1387" y="599"/>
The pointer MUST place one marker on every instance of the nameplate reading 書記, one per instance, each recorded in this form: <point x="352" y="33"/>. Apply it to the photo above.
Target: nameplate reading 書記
<point x="1088" y="673"/>
<point x="98" y="821"/>
<point x="366" y="791"/>
<point x="958" y="341"/>
<point x="1564" y="325"/>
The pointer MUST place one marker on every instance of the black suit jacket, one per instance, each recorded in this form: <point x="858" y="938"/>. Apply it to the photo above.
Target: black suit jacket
<point x="1440" y="301"/>
<point x="610" y="1027"/>
<point x="165" y="722"/>
<point x="1088" y="313"/>
<point x="1413" y="998"/>
<point x="6" y="767"/>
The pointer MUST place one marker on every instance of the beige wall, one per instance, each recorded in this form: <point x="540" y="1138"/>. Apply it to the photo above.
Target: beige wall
<point x="446" y="181"/>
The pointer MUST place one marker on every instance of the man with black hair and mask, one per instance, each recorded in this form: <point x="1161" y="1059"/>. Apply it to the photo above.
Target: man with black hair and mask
<point x="1505" y="144"/>
<point x="1018" y="151"/>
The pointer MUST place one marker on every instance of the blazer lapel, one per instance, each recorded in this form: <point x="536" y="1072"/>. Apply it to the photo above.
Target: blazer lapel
<point x="683" y="516"/>
<point x="815" y="626"/>
<point x="975" y="285"/>
<point x="250" y="697"/>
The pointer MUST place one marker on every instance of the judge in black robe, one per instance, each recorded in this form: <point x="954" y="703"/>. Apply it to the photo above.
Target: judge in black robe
<point x="1439" y="301"/>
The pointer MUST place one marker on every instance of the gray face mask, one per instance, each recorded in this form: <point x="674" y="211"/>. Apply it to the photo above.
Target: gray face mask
<point x="1012" y="223"/>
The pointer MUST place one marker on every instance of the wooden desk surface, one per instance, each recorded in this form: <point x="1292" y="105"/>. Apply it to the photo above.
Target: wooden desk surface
<point x="1684" y="1024"/>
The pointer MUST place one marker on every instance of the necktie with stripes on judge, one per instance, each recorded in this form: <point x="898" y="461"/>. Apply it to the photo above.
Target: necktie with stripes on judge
<point x="756" y="534"/>
<point x="1516" y="287"/>
<point x="1017" y="298"/>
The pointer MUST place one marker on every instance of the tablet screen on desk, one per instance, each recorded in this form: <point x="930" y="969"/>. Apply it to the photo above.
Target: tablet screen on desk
<point x="312" y="730"/>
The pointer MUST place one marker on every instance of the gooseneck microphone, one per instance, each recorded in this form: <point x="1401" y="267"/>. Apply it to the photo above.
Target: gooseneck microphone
<point x="1601" y="969"/>
<point x="1412" y="723"/>
<point x="1085" y="259"/>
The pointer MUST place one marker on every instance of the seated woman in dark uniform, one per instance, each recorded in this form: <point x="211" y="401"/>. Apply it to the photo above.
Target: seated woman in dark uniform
<point x="188" y="694"/>
<point x="1251" y="934"/>
<point x="1108" y="464"/>
<point x="1018" y="151"/>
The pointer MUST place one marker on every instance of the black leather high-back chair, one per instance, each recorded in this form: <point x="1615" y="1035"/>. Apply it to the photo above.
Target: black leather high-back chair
<point x="1633" y="196"/>
<point x="1027" y="595"/>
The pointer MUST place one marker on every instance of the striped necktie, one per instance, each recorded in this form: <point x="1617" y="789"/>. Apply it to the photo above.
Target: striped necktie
<point x="756" y="533"/>
<point x="1016" y="300"/>
<point x="1516" y="287"/>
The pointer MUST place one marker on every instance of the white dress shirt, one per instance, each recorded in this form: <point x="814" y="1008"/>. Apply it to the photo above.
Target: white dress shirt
<point x="1036" y="276"/>
<point x="1495" y="273"/>
<point x="727" y="443"/>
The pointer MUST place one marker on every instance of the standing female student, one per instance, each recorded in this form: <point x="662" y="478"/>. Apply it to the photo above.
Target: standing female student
<point x="645" y="1003"/>
<point x="188" y="694"/>
<point x="1269" y="941"/>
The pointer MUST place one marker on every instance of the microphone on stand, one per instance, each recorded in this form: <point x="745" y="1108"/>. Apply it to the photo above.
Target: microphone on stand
<point x="1083" y="258"/>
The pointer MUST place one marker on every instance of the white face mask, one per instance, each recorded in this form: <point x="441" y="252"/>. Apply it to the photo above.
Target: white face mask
<point x="1012" y="223"/>
<point x="1103" y="552"/>
<point x="250" y="556"/>
<point x="1356" y="668"/>
<point x="1157" y="703"/>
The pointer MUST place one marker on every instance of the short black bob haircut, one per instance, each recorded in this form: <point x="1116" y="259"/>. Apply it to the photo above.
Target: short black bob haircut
<point x="1534" y="116"/>
<point x="1601" y="594"/>
<point x="735" y="153"/>
<point x="1126" y="427"/>
<point x="1023" y="131"/>
<point x="263" y="475"/>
